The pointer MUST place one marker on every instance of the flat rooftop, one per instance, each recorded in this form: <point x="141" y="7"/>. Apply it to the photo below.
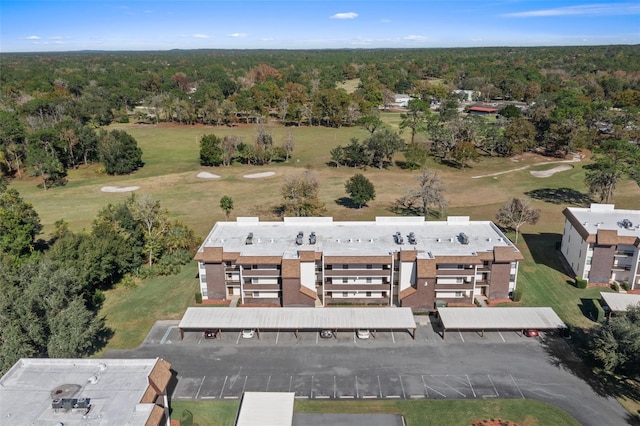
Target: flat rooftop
<point x="357" y="238"/>
<point x="383" y="318"/>
<point x="606" y="216"/>
<point x="266" y="409"/>
<point x="619" y="302"/>
<point x="114" y="386"/>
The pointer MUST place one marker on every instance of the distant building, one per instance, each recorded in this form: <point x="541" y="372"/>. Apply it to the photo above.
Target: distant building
<point x="401" y="100"/>
<point x="402" y="261"/>
<point x="86" y="392"/>
<point x="600" y="243"/>
<point x="476" y="109"/>
<point x="468" y="95"/>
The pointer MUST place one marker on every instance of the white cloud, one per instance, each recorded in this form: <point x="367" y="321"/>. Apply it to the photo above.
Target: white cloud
<point x="200" y="36"/>
<point x="385" y="21"/>
<point x="587" y="9"/>
<point x="33" y="37"/>
<point x="237" y="35"/>
<point x="415" y="38"/>
<point x="344" y="15"/>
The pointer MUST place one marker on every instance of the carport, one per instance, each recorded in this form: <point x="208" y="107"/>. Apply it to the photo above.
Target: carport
<point x="297" y="319"/>
<point x="515" y="319"/>
<point x="618" y="302"/>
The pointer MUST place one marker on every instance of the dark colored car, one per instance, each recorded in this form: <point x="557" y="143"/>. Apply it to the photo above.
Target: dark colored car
<point x="531" y="333"/>
<point x="210" y="334"/>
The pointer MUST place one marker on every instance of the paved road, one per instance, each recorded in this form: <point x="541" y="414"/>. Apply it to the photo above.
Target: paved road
<point x="392" y="366"/>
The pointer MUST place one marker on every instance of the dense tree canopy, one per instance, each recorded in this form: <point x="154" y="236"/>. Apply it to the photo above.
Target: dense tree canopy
<point x="119" y="152"/>
<point x="360" y="189"/>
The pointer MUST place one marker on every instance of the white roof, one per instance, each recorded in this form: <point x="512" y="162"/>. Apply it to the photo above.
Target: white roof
<point x="299" y="318"/>
<point x="114" y="387"/>
<point x="266" y="409"/>
<point x="619" y="302"/>
<point x="499" y="318"/>
<point x="606" y="216"/>
<point x="357" y="238"/>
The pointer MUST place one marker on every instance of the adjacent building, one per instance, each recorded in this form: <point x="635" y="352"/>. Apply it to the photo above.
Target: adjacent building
<point x="600" y="244"/>
<point x="86" y="392"/>
<point x="401" y="261"/>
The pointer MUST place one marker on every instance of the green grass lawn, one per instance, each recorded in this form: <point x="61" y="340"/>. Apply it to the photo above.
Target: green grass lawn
<point x="416" y="413"/>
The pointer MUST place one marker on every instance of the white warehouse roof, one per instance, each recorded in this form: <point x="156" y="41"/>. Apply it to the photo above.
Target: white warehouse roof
<point x="499" y="318"/>
<point x="619" y="302"/>
<point x="298" y="318"/>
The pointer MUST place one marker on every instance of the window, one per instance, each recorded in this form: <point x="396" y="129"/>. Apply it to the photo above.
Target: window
<point x="256" y="294"/>
<point x="512" y="277"/>
<point x="369" y="266"/>
<point x="458" y="294"/>
<point x="345" y="266"/>
<point x="345" y="280"/>
<point x="589" y="260"/>
<point x="368" y="294"/>
<point x="369" y="280"/>
<point x="485" y="264"/>
<point x="459" y="280"/>
<point x="204" y="292"/>
<point x="345" y="294"/>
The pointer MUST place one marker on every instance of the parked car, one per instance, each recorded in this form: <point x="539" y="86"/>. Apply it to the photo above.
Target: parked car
<point x="326" y="334"/>
<point x="363" y="333"/>
<point x="531" y="333"/>
<point x="210" y="334"/>
<point x="248" y="333"/>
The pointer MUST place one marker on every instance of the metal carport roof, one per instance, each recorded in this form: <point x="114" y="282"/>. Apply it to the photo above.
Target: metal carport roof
<point x="619" y="302"/>
<point x="298" y="318"/>
<point x="266" y="408"/>
<point x="499" y="318"/>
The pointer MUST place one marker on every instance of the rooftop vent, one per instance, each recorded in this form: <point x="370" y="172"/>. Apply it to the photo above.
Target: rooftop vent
<point x="412" y="238"/>
<point x="627" y="224"/>
<point x="299" y="238"/>
<point x="312" y="238"/>
<point x="439" y="240"/>
<point x="93" y="379"/>
<point x="463" y="238"/>
<point x="249" y="239"/>
<point x="398" y="238"/>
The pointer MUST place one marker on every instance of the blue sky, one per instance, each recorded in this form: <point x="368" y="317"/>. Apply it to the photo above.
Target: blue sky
<point x="63" y="25"/>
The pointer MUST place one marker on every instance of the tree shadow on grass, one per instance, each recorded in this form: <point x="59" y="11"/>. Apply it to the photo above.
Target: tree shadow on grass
<point x="589" y="309"/>
<point x="564" y="196"/>
<point x="544" y="250"/>
<point x="347" y="202"/>
<point x="572" y="355"/>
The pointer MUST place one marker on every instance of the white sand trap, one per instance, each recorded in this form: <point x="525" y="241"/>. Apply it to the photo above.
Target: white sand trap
<point x="207" y="175"/>
<point x="259" y="175"/>
<point x="550" y="172"/>
<point x="119" y="188"/>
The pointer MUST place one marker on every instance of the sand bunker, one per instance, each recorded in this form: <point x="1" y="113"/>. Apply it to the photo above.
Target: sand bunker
<point x="119" y="188"/>
<point x="550" y="172"/>
<point x="259" y="175"/>
<point x="207" y="175"/>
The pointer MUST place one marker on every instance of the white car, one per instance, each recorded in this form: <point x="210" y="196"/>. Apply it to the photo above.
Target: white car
<point x="248" y="333"/>
<point x="363" y="333"/>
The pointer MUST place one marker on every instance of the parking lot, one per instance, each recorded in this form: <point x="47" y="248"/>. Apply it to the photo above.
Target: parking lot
<point x="324" y="386"/>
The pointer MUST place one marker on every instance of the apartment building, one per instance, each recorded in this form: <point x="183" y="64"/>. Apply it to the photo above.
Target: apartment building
<point x="402" y="261"/>
<point x="600" y="243"/>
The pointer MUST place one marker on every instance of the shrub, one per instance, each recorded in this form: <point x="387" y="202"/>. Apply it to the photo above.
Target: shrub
<point x="198" y="297"/>
<point x="581" y="283"/>
<point x="517" y="295"/>
<point x="615" y="287"/>
<point x="626" y="286"/>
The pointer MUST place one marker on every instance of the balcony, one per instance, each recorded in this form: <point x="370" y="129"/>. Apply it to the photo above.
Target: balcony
<point x="385" y="273"/>
<point x="248" y="273"/>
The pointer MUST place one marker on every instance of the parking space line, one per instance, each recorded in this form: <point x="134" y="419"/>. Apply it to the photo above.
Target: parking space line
<point x="379" y="386"/>
<point x="183" y="397"/>
<point x="357" y="393"/>
<point x="416" y="396"/>
<point x="277" y="336"/>
<point x="200" y="340"/>
<point x="311" y="389"/>
<point x="208" y="397"/>
<point x="290" y="380"/>
<point x="393" y="337"/>
<point x="368" y="396"/>
<point x="346" y="397"/>
<point x="322" y="397"/>
<point x="501" y="335"/>
<point x="244" y="385"/>
<point x="230" y="397"/>
<point x="469" y="381"/>
<point x="404" y="395"/>
<point x="514" y="382"/>
<point x="449" y="386"/>
<point x="334" y="387"/>
<point x="199" y="388"/>
<point x="175" y="388"/>
<point x="238" y="339"/>
<point x="393" y="397"/>
<point x="494" y="386"/>
<point x="223" y="385"/>
<point x="462" y="338"/>
<point x="268" y="381"/>
<point x="166" y="335"/>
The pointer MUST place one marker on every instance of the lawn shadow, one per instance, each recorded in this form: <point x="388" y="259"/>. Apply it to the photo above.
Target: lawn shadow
<point x="589" y="309"/>
<point x="347" y="202"/>
<point x="544" y="250"/>
<point x="564" y="196"/>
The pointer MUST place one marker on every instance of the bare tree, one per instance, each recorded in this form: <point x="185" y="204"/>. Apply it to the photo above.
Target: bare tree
<point x="154" y="220"/>
<point x="229" y="144"/>
<point x="289" y="145"/>
<point x="429" y="193"/>
<point x="516" y="212"/>
<point x="300" y="195"/>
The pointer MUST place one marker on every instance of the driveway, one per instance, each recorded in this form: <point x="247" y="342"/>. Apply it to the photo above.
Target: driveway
<point x="391" y="366"/>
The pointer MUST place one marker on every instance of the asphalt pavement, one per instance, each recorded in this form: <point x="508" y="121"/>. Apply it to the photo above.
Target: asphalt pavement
<point x="465" y="365"/>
